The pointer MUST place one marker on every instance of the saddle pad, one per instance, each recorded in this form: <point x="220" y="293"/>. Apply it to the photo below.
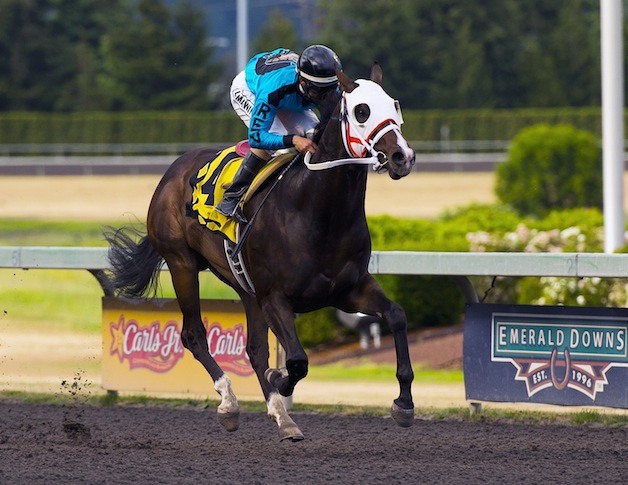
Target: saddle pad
<point x="209" y="184"/>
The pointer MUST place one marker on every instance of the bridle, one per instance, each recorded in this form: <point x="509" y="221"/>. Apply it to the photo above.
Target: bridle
<point x="360" y="138"/>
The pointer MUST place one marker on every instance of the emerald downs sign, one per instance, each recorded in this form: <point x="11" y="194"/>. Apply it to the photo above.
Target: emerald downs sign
<point x="553" y="355"/>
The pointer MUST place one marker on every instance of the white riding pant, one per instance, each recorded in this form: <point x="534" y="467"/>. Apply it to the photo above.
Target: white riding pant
<point x="286" y="122"/>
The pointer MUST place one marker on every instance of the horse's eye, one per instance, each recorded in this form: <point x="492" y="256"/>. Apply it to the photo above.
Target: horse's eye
<point x="362" y="112"/>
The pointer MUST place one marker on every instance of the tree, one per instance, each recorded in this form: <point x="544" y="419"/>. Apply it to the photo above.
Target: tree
<point x="473" y="54"/>
<point x="157" y="59"/>
<point x="277" y="32"/>
<point x="26" y="70"/>
<point x="142" y="54"/>
<point x="363" y="32"/>
<point x="76" y="28"/>
<point x="50" y="47"/>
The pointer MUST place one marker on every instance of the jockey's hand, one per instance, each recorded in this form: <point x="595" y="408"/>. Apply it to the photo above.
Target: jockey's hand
<point x="303" y="144"/>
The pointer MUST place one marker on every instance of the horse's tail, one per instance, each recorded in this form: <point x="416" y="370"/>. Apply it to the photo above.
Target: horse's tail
<point x="135" y="266"/>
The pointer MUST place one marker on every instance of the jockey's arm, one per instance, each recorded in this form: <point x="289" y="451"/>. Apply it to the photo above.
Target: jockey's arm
<point x="262" y="118"/>
<point x="260" y="137"/>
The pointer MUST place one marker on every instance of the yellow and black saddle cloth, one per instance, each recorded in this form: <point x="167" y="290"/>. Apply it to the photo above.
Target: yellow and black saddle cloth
<point x="212" y="179"/>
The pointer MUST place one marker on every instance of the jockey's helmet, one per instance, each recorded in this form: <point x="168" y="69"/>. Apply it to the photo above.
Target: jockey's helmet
<point x="317" y="66"/>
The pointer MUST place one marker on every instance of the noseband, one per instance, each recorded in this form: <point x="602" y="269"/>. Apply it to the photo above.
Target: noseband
<point x="359" y="139"/>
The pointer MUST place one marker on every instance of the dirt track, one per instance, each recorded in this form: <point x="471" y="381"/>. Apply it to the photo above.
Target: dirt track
<point x="77" y="444"/>
<point x="119" y="197"/>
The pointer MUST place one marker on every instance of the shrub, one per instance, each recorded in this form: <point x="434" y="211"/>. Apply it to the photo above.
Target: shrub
<point x="584" y="236"/>
<point x="318" y="327"/>
<point x="550" y="167"/>
<point x="429" y="301"/>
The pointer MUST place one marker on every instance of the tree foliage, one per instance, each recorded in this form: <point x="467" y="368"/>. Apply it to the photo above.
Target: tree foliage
<point x="472" y="54"/>
<point x="76" y="55"/>
<point x="277" y="32"/>
<point x="73" y="55"/>
<point x="156" y="59"/>
<point x="49" y="49"/>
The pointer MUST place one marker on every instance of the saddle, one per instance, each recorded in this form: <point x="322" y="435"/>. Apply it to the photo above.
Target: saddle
<point x="210" y="182"/>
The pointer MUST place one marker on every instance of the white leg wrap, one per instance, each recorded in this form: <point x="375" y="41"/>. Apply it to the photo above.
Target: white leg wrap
<point x="288" y="430"/>
<point x="229" y="402"/>
<point x="277" y="410"/>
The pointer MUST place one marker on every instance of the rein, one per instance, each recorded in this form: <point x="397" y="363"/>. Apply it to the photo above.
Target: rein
<point x="238" y="247"/>
<point x="373" y="160"/>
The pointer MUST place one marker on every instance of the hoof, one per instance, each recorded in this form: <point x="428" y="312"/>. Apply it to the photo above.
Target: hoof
<point x="291" y="433"/>
<point x="403" y="417"/>
<point x="229" y="421"/>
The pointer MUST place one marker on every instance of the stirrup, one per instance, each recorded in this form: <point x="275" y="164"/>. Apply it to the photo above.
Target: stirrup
<point x="236" y="214"/>
<point x="239" y="216"/>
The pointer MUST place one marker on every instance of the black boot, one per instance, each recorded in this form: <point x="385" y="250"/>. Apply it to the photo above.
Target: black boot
<point x="229" y="205"/>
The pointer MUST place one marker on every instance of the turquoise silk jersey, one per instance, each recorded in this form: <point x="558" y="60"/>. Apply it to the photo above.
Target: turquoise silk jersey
<point x="272" y="78"/>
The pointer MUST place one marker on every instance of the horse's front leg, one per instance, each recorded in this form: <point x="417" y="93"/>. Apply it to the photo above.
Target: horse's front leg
<point x="371" y="299"/>
<point x="280" y="318"/>
<point x="194" y="338"/>
<point x="258" y="352"/>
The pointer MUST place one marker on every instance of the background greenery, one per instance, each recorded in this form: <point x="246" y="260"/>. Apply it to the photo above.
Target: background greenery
<point x="212" y="127"/>
<point x="86" y="55"/>
<point x="550" y="167"/>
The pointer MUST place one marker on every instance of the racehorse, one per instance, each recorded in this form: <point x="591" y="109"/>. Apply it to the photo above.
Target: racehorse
<point x="308" y="248"/>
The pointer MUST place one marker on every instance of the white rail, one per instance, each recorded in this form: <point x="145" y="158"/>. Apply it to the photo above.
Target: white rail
<point x="455" y="264"/>
<point x="578" y="265"/>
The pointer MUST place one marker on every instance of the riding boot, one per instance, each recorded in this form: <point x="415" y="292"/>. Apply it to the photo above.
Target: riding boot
<point x="230" y="203"/>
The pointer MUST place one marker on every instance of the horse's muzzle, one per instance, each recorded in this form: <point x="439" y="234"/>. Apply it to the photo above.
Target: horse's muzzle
<point x="401" y="163"/>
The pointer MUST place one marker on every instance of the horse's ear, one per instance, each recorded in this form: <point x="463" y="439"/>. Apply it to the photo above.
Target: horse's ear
<point x="346" y="83"/>
<point x="376" y="73"/>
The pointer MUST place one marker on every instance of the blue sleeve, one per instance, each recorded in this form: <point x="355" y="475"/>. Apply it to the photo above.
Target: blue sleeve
<point x="262" y="118"/>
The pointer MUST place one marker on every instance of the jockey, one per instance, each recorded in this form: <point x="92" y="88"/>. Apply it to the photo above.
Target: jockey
<point x="274" y="96"/>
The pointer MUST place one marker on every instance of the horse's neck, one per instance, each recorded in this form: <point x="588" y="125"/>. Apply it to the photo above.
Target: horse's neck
<point x="344" y="186"/>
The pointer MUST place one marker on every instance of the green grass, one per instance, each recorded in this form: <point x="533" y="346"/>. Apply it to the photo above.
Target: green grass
<point x="70" y="299"/>
<point x="65" y="299"/>
<point x="50" y="300"/>
<point x="17" y="232"/>
<point x="367" y="371"/>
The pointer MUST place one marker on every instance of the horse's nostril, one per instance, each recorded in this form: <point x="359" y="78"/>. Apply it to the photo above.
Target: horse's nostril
<point x="398" y="158"/>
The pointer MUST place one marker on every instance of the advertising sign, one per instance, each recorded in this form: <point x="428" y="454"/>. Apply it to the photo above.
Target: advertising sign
<point x="143" y="352"/>
<point x="554" y="355"/>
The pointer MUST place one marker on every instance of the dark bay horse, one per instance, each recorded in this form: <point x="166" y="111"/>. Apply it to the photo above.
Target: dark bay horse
<point x="308" y="248"/>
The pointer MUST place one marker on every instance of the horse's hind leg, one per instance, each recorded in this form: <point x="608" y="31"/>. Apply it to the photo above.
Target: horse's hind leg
<point x="194" y="337"/>
<point x="258" y="352"/>
<point x="371" y="299"/>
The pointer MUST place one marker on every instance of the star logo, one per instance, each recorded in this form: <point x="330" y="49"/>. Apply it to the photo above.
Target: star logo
<point x="117" y="338"/>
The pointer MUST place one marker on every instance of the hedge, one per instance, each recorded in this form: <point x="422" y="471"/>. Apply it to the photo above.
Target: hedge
<point x="213" y="127"/>
<point x="124" y="127"/>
